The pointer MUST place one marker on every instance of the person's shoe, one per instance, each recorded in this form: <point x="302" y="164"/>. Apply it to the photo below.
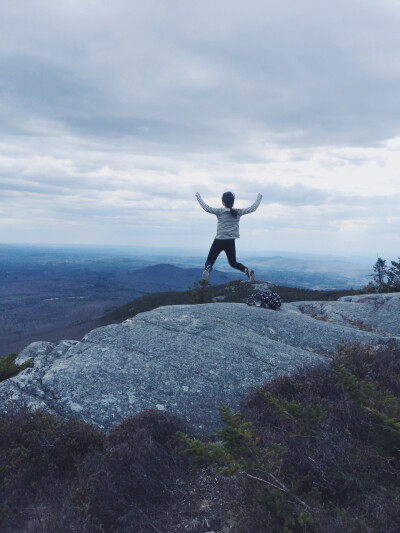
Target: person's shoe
<point x="250" y="275"/>
<point x="206" y="273"/>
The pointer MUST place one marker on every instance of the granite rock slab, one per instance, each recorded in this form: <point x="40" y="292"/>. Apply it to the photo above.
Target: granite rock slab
<point x="378" y="313"/>
<point x="186" y="360"/>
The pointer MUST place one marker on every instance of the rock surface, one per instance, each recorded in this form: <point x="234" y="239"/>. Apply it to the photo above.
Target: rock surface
<point x="190" y="359"/>
<point x="379" y="313"/>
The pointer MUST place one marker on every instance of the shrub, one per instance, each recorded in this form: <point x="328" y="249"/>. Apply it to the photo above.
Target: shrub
<point x="39" y="454"/>
<point x="136" y="472"/>
<point x="382" y="407"/>
<point x="239" y="451"/>
<point x="314" y="452"/>
<point x="8" y="368"/>
<point x="200" y="293"/>
<point x="64" y="475"/>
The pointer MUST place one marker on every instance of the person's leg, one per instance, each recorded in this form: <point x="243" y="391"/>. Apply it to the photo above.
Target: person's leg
<point x="230" y="250"/>
<point x="215" y="250"/>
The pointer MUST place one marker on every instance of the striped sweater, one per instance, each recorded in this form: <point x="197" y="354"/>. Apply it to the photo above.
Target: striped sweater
<point x="228" y="226"/>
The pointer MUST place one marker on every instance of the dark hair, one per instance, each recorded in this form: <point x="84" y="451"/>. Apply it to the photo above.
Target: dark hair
<point x="229" y="199"/>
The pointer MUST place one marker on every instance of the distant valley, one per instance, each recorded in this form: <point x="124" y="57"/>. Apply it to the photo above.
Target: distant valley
<point x="49" y="296"/>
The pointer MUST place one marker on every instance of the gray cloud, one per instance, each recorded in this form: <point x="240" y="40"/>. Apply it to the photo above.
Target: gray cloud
<point x="208" y="75"/>
<point x="121" y="111"/>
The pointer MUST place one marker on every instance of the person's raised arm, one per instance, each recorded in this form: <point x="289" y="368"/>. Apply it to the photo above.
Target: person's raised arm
<point x="204" y="205"/>
<point x="253" y="207"/>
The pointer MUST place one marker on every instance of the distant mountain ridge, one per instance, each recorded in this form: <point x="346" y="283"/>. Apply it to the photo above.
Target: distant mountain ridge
<point x="166" y="277"/>
<point x="308" y="273"/>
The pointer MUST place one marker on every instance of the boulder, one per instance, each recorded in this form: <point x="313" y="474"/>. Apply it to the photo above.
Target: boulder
<point x="379" y="313"/>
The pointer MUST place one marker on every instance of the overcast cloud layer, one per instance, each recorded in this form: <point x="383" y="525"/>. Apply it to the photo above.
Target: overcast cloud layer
<point x="112" y="115"/>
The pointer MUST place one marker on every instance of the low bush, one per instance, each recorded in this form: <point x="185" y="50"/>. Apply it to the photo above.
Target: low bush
<point x="8" y="368"/>
<point x="58" y="475"/>
<point x="200" y="293"/>
<point x="134" y="479"/>
<point x="316" y="452"/>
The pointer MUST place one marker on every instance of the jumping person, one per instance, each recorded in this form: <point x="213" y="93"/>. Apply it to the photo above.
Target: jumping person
<point x="227" y="232"/>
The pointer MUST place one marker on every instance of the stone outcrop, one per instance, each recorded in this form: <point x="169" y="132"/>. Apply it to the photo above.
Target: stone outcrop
<point x="189" y="359"/>
<point x="378" y="313"/>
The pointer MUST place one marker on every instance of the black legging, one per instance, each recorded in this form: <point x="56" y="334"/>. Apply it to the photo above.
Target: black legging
<point x="228" y="246"/>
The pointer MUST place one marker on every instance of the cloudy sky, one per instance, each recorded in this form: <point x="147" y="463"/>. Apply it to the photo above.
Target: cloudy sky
<point x="113" y="114"/>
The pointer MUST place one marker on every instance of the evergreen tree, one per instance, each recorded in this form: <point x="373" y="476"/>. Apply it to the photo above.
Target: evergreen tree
<point x="379" y="275"/>
<point x="393" y="275"/>
<point x="199" y="293"/>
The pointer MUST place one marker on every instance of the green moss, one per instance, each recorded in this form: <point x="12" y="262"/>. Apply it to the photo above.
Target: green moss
<point x="8" y="368"/>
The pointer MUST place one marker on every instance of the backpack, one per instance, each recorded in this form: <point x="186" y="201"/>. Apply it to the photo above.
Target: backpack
<point x="265" y="299"/>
